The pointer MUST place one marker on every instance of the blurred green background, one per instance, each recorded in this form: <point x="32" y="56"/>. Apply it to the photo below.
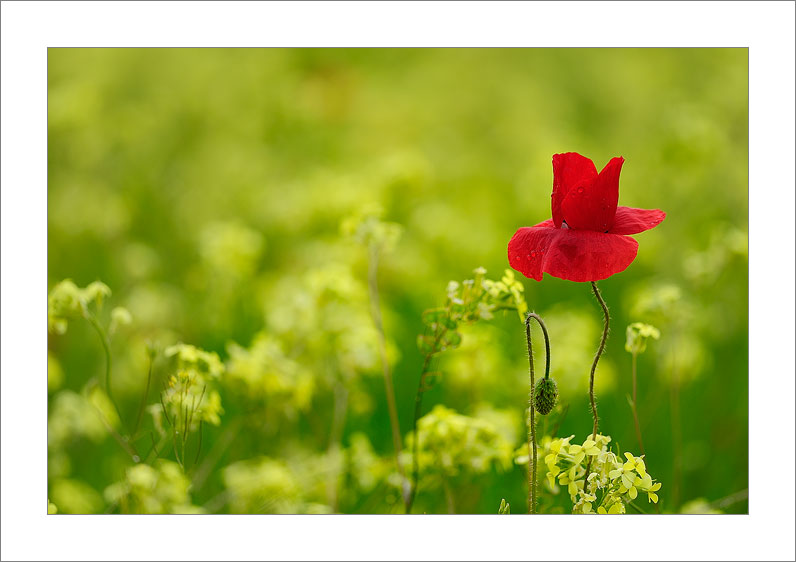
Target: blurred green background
<point x="207" y="189"/>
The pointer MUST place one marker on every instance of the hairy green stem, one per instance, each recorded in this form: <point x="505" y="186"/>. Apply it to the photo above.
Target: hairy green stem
<point x="531" y="427"/>
<point x="532" y="447"/>
<point x="606" y="326"/>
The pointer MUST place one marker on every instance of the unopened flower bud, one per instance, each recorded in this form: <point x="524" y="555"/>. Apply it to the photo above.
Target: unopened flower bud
<point x="545" y="395"/>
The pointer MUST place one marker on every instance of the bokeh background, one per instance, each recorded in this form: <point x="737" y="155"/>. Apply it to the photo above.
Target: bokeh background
<point x="211" y="189"/>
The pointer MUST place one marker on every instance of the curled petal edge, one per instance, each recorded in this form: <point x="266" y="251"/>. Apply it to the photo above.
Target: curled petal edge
<point x="629" y="220"/>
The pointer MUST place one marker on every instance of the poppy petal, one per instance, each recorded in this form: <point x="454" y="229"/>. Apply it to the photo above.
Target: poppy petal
<point x="592" y="206"/>
<point x="570" y="171"/>
<point x="575" y="255"/>
<point x="632" y="221"/>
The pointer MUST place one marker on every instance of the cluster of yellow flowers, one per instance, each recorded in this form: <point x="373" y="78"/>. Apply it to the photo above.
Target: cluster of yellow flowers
<point x="187" y="397"/>
<point x="610" y="483"/>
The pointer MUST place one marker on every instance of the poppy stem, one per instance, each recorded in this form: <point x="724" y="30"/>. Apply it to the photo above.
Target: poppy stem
<point x="606" y="326"/>
<point x="532" y="422"/>
<point x="593" y="404"/>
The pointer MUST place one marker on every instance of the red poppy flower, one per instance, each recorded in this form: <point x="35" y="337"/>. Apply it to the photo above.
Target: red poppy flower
<point x="586" y="238"/>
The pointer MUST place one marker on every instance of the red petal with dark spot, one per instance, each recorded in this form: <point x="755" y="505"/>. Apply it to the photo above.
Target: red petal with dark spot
<point x="570" y="171"/>
<point x="575" y="255"/>
<point x="632" y="221"/>
<point x="593" y="206"/>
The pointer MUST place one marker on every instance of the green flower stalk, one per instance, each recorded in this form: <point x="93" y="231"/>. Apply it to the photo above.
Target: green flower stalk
<point x="467" y="302"/>
<point x="379" y="236"/>
<point x="636" y="343"/>
<point x="606" y="328"/>
<point x="541" y="398"/>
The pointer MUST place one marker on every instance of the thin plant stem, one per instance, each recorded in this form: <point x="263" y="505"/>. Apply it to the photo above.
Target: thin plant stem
<point x="143" y="397"/>
<point x="155" y="447"/>
<point x="107" y="348"/>
<point x="199" y="448"/>
<point x="176" y="454"/>
<point x="532" y="447"/>
<point x="531" y="426"/>
<point x="606" y="326"/>
<point x="416" y="417"/>
<point x="215" y="453"/>
<point x="124" y="443"/>
<point x="727" y="501"/>
<point x="375" y="313"/>
<point x="592" y="403"/>
<point x="636" y="508"/>
<point x="194" y="405"/>
<point x="635" y="409"/>
<point x="165" y="412"/>
<point x="416" y="437"/>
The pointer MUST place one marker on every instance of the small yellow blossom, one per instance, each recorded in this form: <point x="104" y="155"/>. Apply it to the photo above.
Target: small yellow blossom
<point x="589" y="448"/>
<point x="645" y="485"/>
<point x="615" y="509"/>
<point x="628" y="479"/>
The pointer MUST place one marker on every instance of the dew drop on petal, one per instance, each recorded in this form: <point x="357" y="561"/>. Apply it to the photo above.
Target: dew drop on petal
<point x="580" y="190"/>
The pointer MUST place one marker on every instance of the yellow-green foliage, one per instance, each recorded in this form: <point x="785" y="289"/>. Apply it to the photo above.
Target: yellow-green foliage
<point x="161" y="488"/>
<point x="261" y="486"/>
<point x="451" y="443"/>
